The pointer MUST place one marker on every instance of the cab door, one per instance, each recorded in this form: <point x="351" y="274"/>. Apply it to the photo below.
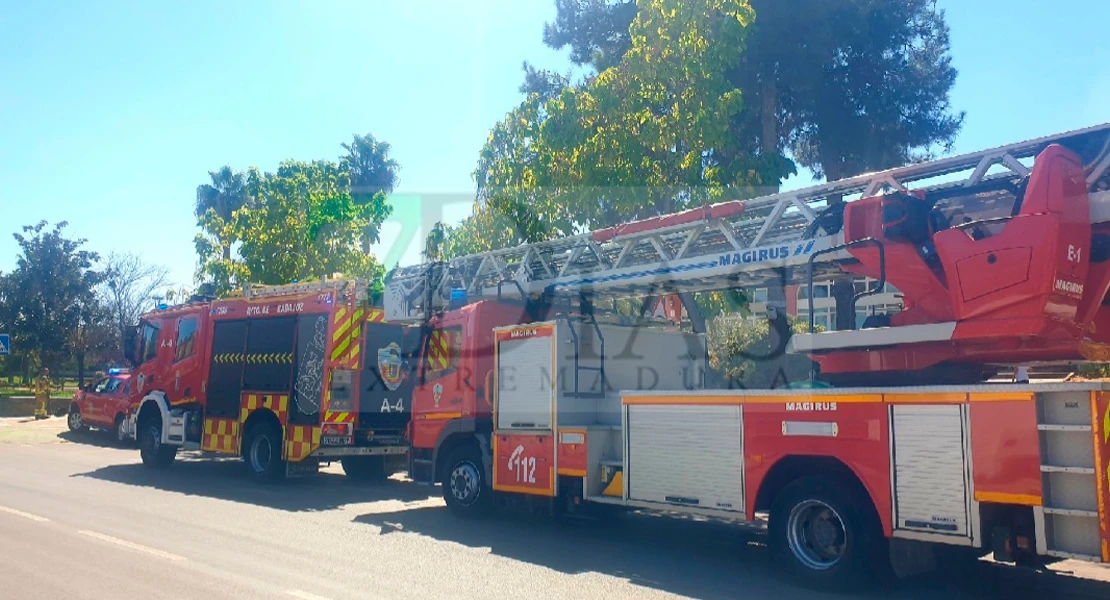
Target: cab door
<point x="115" y="400"/>
<point x="92" y="402"/>
<point x="447" y="377"/>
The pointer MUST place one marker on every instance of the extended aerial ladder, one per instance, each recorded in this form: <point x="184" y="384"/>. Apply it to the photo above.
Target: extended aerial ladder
<point x="940" y="226"/>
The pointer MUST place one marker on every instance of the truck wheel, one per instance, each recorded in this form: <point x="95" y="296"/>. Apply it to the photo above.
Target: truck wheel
<point x="154" y="453"/>
<point x="74" y="421"/>
<point x="826" y="537"/>
<point x="262" y="453"/>
<point x="364" y="468"/>
<point x="465" y="488"/>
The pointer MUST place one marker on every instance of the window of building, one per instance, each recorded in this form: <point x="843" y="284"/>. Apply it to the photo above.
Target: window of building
<point x="186" y="338"/>
<point x="823" y="318"/>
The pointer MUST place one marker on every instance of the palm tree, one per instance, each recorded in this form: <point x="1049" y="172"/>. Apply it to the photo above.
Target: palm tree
<point x="371" y="168"/>
<point x="372" y="172"/>
<point x="226" y="194"/>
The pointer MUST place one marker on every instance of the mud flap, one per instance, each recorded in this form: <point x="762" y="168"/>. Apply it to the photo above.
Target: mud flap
<point x="303" y="468"/>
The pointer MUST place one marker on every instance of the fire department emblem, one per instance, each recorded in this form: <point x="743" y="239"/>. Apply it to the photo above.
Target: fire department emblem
<point x="437" y="393"/>
<point x="389" y="365"/>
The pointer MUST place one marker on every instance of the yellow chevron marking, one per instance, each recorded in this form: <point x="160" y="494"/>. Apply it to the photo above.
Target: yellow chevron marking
<point x="339" y="314"/>
<point x="1106" y="426"/>
<point x="335" y="354"/>
<point x="342" y="329"/>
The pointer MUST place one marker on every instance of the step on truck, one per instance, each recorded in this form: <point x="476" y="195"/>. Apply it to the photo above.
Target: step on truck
<point x="274" y="375"/>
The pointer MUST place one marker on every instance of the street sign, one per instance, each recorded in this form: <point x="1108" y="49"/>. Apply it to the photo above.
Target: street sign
<point x="5" y="344"/>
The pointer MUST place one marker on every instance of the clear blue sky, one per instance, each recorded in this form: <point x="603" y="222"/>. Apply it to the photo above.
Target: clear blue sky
<point x="111" y="113"/>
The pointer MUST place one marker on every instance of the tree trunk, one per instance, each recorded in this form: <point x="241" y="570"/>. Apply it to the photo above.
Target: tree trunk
<point x="80" y="370"/>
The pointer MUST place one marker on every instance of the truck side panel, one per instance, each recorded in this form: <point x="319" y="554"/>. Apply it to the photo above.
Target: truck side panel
<point x="1005" y="450"/>
<point x="853" y="428"/>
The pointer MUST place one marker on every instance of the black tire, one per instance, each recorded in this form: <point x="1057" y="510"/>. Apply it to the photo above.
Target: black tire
<point x="465" y="489"/>
<point x="74" y="422"/>
<point x="262" y="453"/>
<point x="365" y="468"/>
<point x="826" y="536"/>
<point x="154" y="453"/>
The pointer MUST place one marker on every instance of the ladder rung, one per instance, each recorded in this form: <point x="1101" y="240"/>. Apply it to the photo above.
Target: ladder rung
<point x="1076" y="428"/>
<point x="1063" y="469"/>
<point x="1071" y="512"/>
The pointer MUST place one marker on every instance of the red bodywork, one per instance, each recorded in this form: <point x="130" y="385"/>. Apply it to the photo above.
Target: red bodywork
<point x="1019" y="288"/>
<point x="177" y="358"/>
<point x="104" y="400"/>
<point x="463" y="389"/>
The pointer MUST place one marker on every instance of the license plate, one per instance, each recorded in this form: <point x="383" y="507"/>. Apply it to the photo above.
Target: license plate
<point x="302" y="469"/>
<point x="337" y="440"/>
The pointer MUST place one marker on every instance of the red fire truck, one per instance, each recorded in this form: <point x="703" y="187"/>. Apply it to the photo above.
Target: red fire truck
<point x="530" y="390"/>
<point x="270" y="375"/>
<point x="509" y="377"/>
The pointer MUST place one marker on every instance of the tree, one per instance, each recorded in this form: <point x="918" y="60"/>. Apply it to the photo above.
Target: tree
<point x="867" y="90"/>
<point x="744" y="353"/>
<point x="373" y="176"/>
<point x="306" y="225"/>
<point x="226" y="194"/>
<point x="307" y="220"/>
<point x="646" y="137"/>
<point x="128" y="290"/>
<point x="94" y="337"/>
<point x="51" y="294"/>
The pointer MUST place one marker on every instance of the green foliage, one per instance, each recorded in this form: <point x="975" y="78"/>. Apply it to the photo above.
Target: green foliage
<point x="868" y="89"/>
<point x="306" y="220"/>
<point x="745" y="353"/>
<point x="50" y="305"/>
<point x="648" y="136"/>
<point x="307" y="225"/>
<point x="216" y="204"/>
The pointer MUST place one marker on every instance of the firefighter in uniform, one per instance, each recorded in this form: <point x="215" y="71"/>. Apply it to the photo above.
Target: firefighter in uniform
<point x="42" y="394"/>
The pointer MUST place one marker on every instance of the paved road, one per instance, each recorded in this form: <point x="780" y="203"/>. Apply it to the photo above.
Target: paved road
<point x="81" y="519"/>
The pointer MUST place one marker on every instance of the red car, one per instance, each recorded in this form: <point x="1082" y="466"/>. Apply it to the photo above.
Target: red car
<point x="103" y="405"/>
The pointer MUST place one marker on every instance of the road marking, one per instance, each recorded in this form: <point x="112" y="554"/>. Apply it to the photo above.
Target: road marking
<point x="305" y="595"/>
<point x="25" y="515"/>
<point x="131" y="545"/>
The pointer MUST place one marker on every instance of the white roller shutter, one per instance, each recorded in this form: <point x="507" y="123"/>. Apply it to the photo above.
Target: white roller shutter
<point x="930" y="469"/>
<point x="686" y="455"/>
<point x="524" y="390"/>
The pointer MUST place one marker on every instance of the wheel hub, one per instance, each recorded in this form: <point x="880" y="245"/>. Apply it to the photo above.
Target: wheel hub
<point x="816" y="535"/>
<point x="464" y="483"/>
<point x="74" y="420"/>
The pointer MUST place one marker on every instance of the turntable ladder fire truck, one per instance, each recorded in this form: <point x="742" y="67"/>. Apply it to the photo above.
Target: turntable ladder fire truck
<point x="269" y="375"/>
<point x="525" y="392"/>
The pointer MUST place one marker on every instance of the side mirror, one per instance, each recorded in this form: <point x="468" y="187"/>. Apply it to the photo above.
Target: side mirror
<point x="131" y="345"/>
